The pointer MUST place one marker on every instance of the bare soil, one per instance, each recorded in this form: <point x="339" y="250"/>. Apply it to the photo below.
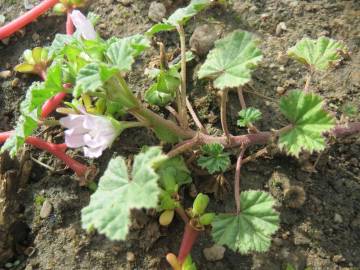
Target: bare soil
<point x="322" y="234"/>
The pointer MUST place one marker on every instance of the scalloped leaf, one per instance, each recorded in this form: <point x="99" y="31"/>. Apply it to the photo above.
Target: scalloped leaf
<point x="309" y="119"/>
<point x="232" y="60"/>
<point x="252" y="228"/>
<point x="248" y="116"/>
<point x="318" y="54"/>
<point x="214" y="159"/>
<point x="118" y="193"/>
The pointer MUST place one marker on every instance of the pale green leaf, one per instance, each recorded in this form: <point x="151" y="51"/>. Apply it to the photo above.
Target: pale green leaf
<point x="118" y="193"/>
<point x="213" y="158"/>
<point x="319" y="54"/>
<point x="248" y="116"/>
<point x="120" y="54"/>
<point x="251" y="229"/>
<point x="309" y="119"/>
<point x="232" y="60"/>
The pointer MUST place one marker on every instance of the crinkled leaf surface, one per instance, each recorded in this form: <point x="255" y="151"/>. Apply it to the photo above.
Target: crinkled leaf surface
<point x="319" y="54"/>
<point x="175" y="167"/>
<point x="213" y="158"/>
<point x="30" y="108"/>
<point x="248" y="116"/>
<point x="309" y="119"/>
<point x="120" y="54"/>
<point x="119" y="192"/>
<point x="251" y="230"/>
<point x="232" y="60"/>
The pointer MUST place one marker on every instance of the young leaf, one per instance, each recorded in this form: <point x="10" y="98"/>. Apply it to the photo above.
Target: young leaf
<point x="309" y="119"/>
<point x="248" y="116"/>
<point x="252" y="228"/>
<point x="214" y="159"/>
<point x="93" y="76"/>
<point x="180" y="16"/>
<point x="319" y="54"/>
<point x="119" y="192"/>
<point x="120" y="55"/>
<point x="175" y="168"/>
<point x="164" y="90"/>
<point x="36" y="61"/>
<point x="232" y="60"/>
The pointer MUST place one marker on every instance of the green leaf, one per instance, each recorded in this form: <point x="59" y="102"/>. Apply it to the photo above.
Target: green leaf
<point x="180" y="16"/>
<point x="214" y="159"/>
<point x="309" y="119"/>
<point x="118" y="193"/>
<point x="164" y="90"/>
<point x="251" y="229"/>
<point x="59" y="43"/>
<point x="35" y="61"/>
<point x="174" y="168"/>
<point x="232" y="60"/>
<point x="319" y="54"/>
<point x="248" y="116"/>
<point x="188" y="264"/>
<point x="92" y="77"/>
<point x="120" y="54"/>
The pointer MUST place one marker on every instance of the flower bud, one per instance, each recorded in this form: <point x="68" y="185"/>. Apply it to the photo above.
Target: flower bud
<point x="206" y="219"/>
<point x="59" y="9"/>
<point x="166" y="217"/>
<point x="200" y="204"/>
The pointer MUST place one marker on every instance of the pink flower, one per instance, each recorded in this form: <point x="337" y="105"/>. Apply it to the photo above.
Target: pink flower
<point x="93" y="133"/>
<point x="82" y="24"/>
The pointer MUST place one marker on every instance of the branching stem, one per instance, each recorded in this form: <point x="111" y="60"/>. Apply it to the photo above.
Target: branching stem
<point x="194" y="117"/>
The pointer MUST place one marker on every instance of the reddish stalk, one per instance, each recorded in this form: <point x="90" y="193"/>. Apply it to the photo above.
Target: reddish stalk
<point x="69" y="24"/>
<point x="51" y="104"/>
<point x="27" y="18"/>
<point x="237" y="179"/>
<point x="57" y="150"/>
<point x="189" y="238"/>
<point x="224" y="99"/>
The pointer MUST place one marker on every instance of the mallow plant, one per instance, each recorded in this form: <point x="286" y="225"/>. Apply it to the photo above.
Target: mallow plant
<point x="90" y="73"/>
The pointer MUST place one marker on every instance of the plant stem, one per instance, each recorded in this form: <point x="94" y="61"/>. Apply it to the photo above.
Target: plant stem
<point x="308" y="81"/>
<point x="51" y="104"/>
<point x="182" y="101"/>
<point x="181" y="212"/>
<point x="27" y="18"/>
<point x="194" y="117"/>
<point x="57" y="150"/>
<point x="223" y="103"/>
<point x="69" y="24"/>
<point x="189" y="238"/>
<point x="237" y="179"/>
<point x="241" y="98"/>
<point x="185" y="146"/>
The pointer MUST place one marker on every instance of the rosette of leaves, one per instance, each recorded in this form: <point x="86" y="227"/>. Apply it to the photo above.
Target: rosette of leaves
<point x="318" y="54"/>
<point x="251" y="229"/>
<point x="232" y="60"/>
<point x="213" y="158"/>
<point x="248" y="116"/>
<point x="309" y="121"/>
<point x="119" y="192"/>
<point x="36" y="61"/>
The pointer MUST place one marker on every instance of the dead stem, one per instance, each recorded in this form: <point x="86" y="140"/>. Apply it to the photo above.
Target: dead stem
<point x="194" y="117"/>
<point x="237" y="179"/>
<point x="223" y="103"/>
<point x="173" y="112"/>
<point x="241" y="98"/>
<point x="182" y="95"/>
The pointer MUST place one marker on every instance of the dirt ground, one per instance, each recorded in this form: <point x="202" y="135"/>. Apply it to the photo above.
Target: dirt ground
<point x="323" y="234"/>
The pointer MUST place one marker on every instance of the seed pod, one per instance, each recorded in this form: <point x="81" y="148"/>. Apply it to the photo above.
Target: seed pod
<point x="166" y="217"/>
<point x="206" y="219"/>
<point x="200" y="204"/>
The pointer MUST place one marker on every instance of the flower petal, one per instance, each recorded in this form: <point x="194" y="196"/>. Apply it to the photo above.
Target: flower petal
<point x="74" y="140"/>
<point x="83" y="25"/>
<point x="93" y="152"/>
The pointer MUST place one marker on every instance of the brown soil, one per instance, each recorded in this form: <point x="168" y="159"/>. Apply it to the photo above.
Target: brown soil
<point x="324" y="233"/>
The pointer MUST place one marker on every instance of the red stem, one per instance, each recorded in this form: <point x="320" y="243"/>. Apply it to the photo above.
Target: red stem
<point x="189" y="238"/>
<point x="69" y="23"/>
<point x="57" y="150"/>
<point x="51" y="104"/>
<point x="27" y="18"/>
<point x="237" y="179"/>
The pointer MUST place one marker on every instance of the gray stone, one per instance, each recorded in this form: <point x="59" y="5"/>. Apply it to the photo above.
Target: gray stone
<point x="46" y="209"/>
<point x="203" y="39"/>
<point x="157" y="11"/>
<point x="214" y="253"/>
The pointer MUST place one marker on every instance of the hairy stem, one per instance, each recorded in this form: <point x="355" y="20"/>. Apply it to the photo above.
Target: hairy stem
<point x="51" y="104"/>
<point x="223" y="103"/>
<point x="237" y="179"/>
<point x="194" y="117"/>
<point x="182" y="101"/>
<point x="69" y="24"/>
<point x="241" y="98"/>
<point x="27" y="18"/>
<point x="189" y="238"/>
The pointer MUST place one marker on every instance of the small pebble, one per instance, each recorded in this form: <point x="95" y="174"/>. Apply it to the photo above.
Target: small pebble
<point x="281" y="27"/>
<point x="126" y="2"/>
<point x="5" y="74"/>
<point x="35" y="37"/>
<point x="338" y="258"/>
<point x="130" y="256"/>
<point x="338" y="218"/>
<point x="46" y="209"/>
<point x="28" y="5"/>
<point x="280" y="90"/>
<point x="15" y="82"/>
<point x="203" y="39"/>
<point x="157" y="11"/>
<point x="214" y="253"/>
